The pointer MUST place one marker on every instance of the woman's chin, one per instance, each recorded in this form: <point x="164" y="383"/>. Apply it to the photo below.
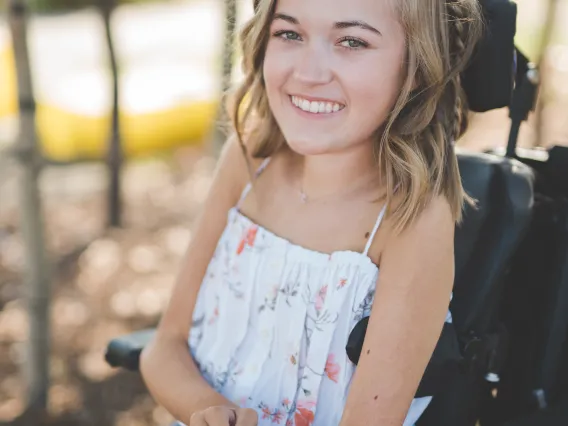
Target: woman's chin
<point x="309" y="146"/>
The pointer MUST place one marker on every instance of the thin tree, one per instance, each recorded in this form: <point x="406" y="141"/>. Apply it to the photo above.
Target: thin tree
<point x="219" y="133"/>
<point x="115" y="153"/>
<point x="36" y="275"/>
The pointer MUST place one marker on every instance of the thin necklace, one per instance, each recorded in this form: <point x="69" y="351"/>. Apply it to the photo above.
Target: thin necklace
<point x="305" y="199"/>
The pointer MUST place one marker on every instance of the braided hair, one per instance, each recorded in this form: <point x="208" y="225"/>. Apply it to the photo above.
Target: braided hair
<point x="458" y="22"/>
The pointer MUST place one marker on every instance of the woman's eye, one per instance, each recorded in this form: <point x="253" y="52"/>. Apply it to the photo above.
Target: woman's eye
<point x="288" y="35"/>
<point x="353" y="43"/>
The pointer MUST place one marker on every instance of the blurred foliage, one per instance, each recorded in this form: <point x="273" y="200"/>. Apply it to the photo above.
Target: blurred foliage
<point x="49" y="6"/>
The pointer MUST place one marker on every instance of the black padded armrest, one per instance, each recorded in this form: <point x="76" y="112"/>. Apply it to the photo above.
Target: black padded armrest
<point x="124" y="351"/>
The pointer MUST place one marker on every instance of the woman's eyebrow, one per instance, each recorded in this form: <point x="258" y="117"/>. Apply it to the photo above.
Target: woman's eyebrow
<point x="286" y="18"/>
<point x="356" y="23"/>
<point x="338" y="25"/>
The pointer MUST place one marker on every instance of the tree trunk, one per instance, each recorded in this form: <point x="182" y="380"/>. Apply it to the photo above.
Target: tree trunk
<point x="36" y="276"/>
<point x="115" y="154"/>
<point x="219" y="133"/>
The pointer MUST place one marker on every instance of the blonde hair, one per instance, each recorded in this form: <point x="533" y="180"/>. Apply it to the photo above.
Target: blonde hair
<point x="415" y="146"/>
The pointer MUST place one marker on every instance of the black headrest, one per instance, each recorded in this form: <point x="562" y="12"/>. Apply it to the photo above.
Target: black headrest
<point x="489" y="80"/>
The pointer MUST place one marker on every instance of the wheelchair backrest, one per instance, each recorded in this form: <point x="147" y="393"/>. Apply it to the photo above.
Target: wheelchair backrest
<point x="489" y="234"/>
<point x="484" y="244"/>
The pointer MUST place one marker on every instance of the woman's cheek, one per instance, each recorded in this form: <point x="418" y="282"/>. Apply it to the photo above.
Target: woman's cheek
<point x="278" y="64"/>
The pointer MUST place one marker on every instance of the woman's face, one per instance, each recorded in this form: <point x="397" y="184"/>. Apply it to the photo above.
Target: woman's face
<point x="333" y="70"/>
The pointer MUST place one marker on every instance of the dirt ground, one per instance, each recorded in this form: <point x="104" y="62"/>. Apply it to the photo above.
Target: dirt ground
<point x="106" y="283"/>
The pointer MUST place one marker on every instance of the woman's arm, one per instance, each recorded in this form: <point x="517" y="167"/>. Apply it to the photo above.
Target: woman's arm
<point x="411" y="303"/>
<point x="166" y="364"/>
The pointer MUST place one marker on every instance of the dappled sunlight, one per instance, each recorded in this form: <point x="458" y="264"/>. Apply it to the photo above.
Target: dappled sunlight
<point x="118" y="281"/>
<point x="64" y="398"/>
<point x="145" y="258"/>
<point x="11" y="386"/>
<point x="13" y="323"/>
<point x="69" y="312"/>
<point x="17" y="351"/>
<point x="12" y="252"/>
<point x="132" y="417"/>
<point x="97" y="264"/>
<point x="198" y="185"/>
<point x="149" y="303"/>
<point x="123" y="304"/>
<point x="144" y="178"/>
<point x="101" y="254"/>
<point x="176" y="240"/>
<point x="94" y="367"/>
<point x="141" y="300"/>
<point x="11" y="408"/>
<point x="59" y="368"/>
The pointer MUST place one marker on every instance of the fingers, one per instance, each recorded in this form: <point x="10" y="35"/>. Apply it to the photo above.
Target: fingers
<point x="246" y="417"/>
<point x="197" y="419"/>
<point x="213" y="416"/>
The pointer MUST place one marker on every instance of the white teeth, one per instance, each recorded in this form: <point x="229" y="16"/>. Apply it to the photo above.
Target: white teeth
<point x="316" y="107"/>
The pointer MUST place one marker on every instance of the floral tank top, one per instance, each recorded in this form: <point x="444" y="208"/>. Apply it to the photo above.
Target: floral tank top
<point x="272" y="320"/>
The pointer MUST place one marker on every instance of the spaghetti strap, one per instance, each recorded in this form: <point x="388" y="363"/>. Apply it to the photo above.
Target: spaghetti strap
<point x="375" y="229"/>
<point x="377" y="224"/>
<point x="248" y="186"/>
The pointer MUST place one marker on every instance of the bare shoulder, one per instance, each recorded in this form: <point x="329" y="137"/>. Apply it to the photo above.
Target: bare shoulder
<point x="426" y="244"/>
<point x="434" y="221"/>
<point x="433" y="225"/>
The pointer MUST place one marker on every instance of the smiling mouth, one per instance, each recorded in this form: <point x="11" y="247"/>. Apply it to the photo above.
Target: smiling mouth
<point x="316" y="107"/>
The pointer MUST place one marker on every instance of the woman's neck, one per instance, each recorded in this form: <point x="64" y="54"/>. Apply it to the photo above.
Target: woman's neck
<point x="337" y="173"/>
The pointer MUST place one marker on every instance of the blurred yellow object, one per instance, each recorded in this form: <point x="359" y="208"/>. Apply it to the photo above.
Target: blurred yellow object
<point x="68" y="136"/>
<point x="8" y="84"/>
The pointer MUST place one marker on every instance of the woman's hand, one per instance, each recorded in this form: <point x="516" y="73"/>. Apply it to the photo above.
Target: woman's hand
<point x="224" y="416"/>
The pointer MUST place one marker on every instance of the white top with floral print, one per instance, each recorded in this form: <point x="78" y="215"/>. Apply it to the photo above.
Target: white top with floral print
<point x="272" y="320"/>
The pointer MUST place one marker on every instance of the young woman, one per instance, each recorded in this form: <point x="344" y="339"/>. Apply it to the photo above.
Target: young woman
<point x="343" y="206"/>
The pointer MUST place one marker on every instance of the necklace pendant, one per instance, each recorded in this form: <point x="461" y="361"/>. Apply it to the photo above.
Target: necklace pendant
<point x="303" y="197"/>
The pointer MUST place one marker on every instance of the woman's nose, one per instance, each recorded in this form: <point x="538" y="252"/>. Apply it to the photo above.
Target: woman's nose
<point x="313" y="65"/>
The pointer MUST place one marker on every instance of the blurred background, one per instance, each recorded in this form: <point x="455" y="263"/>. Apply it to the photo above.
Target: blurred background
<point x="127" y="98"/>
